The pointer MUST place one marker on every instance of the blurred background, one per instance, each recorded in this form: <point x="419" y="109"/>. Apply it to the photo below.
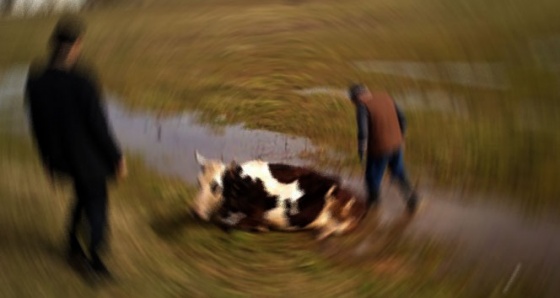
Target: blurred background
<point x="479" y="82"/>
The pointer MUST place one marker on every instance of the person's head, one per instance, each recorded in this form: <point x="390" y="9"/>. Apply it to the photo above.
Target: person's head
<point x="66" y="41"/>
<point x="358" y="93"/>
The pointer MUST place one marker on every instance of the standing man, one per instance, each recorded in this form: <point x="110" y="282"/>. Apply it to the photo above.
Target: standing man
<point x="73" y="138"/>
<point x="381" y="129"/>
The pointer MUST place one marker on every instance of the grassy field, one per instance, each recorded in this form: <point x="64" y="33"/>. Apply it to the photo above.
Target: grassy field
<point x="158" y="250"/>
<point x="238" y="61"/>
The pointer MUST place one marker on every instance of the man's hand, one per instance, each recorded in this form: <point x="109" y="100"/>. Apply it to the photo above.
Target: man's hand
<point x="122" y="169"/>
<point x="52" y="178"/>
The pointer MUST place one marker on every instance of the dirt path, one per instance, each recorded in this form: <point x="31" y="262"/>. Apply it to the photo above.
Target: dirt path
<point x="495" y="238"/>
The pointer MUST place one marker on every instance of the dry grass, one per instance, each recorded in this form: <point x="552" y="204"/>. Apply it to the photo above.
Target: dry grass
<point x="158" y="250"/>
<point x="241" y="60"/>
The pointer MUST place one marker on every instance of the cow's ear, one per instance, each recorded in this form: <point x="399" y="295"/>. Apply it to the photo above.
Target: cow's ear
<point x="201" y="160"/>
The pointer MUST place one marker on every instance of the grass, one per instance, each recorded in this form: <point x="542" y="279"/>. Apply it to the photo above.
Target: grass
<point x="240" y="61"/>
<point x="157" y="249"/>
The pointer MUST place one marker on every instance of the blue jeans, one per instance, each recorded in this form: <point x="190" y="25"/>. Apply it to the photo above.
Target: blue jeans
<point x="375" y="168"/>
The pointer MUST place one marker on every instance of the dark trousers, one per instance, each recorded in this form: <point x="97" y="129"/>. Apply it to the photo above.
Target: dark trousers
<point x="375" y="170"/>
<point x="91" y="201"/>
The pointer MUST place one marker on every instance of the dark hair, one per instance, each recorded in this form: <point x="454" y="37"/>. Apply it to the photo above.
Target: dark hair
<point x="65" y="34"/>
<point x="355" y="90"/>
<point x="67" y="30"/>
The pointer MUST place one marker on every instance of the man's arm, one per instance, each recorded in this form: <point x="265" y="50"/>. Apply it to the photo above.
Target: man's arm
<point x="37" y="127"/>
<point x="402" y="119"/>
<point x="31" y="118"/>
<point x="361" y="118"/>
<point x="98" y="123"/>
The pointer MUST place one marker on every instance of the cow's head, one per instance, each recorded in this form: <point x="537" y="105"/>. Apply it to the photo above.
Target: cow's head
<point x="209" y="197"/>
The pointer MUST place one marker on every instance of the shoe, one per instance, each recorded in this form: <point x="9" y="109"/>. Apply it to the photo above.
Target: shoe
<point x="373" y="204"/>
<point x="412" y="203"/>
<point x="77" y="259"/>
<point x="97" y="274"/>
<point x="373" y="201"/>
<point x="100" y="269"/>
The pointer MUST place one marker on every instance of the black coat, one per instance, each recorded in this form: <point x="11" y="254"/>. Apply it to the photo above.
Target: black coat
<point x="69" y="124"/>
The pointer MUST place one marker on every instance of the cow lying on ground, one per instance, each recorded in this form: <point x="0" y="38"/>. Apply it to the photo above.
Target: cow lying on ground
<point x="260" y="196"/>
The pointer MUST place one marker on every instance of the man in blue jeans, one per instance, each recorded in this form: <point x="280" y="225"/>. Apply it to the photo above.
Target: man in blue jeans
<point x="381" y="129"/>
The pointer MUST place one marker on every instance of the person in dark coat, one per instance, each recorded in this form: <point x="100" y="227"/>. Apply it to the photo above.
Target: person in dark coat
<point x="381" y="130"/>
<point x="73" y="138"/>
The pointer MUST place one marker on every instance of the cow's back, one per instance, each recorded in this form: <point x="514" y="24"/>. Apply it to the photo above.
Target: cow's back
<point x="314" y="187"/>
<point x="281" y="196"/>
<point x="245" y="193"/>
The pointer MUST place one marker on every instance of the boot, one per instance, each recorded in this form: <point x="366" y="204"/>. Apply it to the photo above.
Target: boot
<point x="75" y="255"/>
<point x="99" y="269"/>
<point x="77" y="260"/>
<point x="412" y="202"/>
<point x="373" y="200"/>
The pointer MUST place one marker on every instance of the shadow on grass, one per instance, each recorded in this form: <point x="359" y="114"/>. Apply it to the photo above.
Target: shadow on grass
<point x="169" y="226"/>
<point x="372" y="241"/>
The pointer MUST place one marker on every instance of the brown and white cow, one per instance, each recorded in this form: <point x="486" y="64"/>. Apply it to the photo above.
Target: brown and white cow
<point x="256" y="195"/>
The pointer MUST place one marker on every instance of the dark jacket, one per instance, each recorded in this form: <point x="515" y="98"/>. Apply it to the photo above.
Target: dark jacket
<point x="381" y="126"/>
<point x="69" y="125"/>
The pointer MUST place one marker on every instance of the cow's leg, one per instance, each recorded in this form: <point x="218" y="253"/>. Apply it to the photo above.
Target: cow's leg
<point x="326" y="231"/>
<point x="251" y="224"/>
<point x="230" y="220"/>
<point x="223" y="224"/>
<point x="345" y="227"/>
<point x="225" y="227"/>
<point x="262" y="229"/>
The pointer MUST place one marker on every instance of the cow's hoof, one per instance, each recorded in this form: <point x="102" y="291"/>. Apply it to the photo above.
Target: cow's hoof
<point x="322" y="238"/>
<point x="195" y="215"/>
<point x="262" y="229"/>
<point x="225" y="228"/>
<point x="323" y="235"/>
